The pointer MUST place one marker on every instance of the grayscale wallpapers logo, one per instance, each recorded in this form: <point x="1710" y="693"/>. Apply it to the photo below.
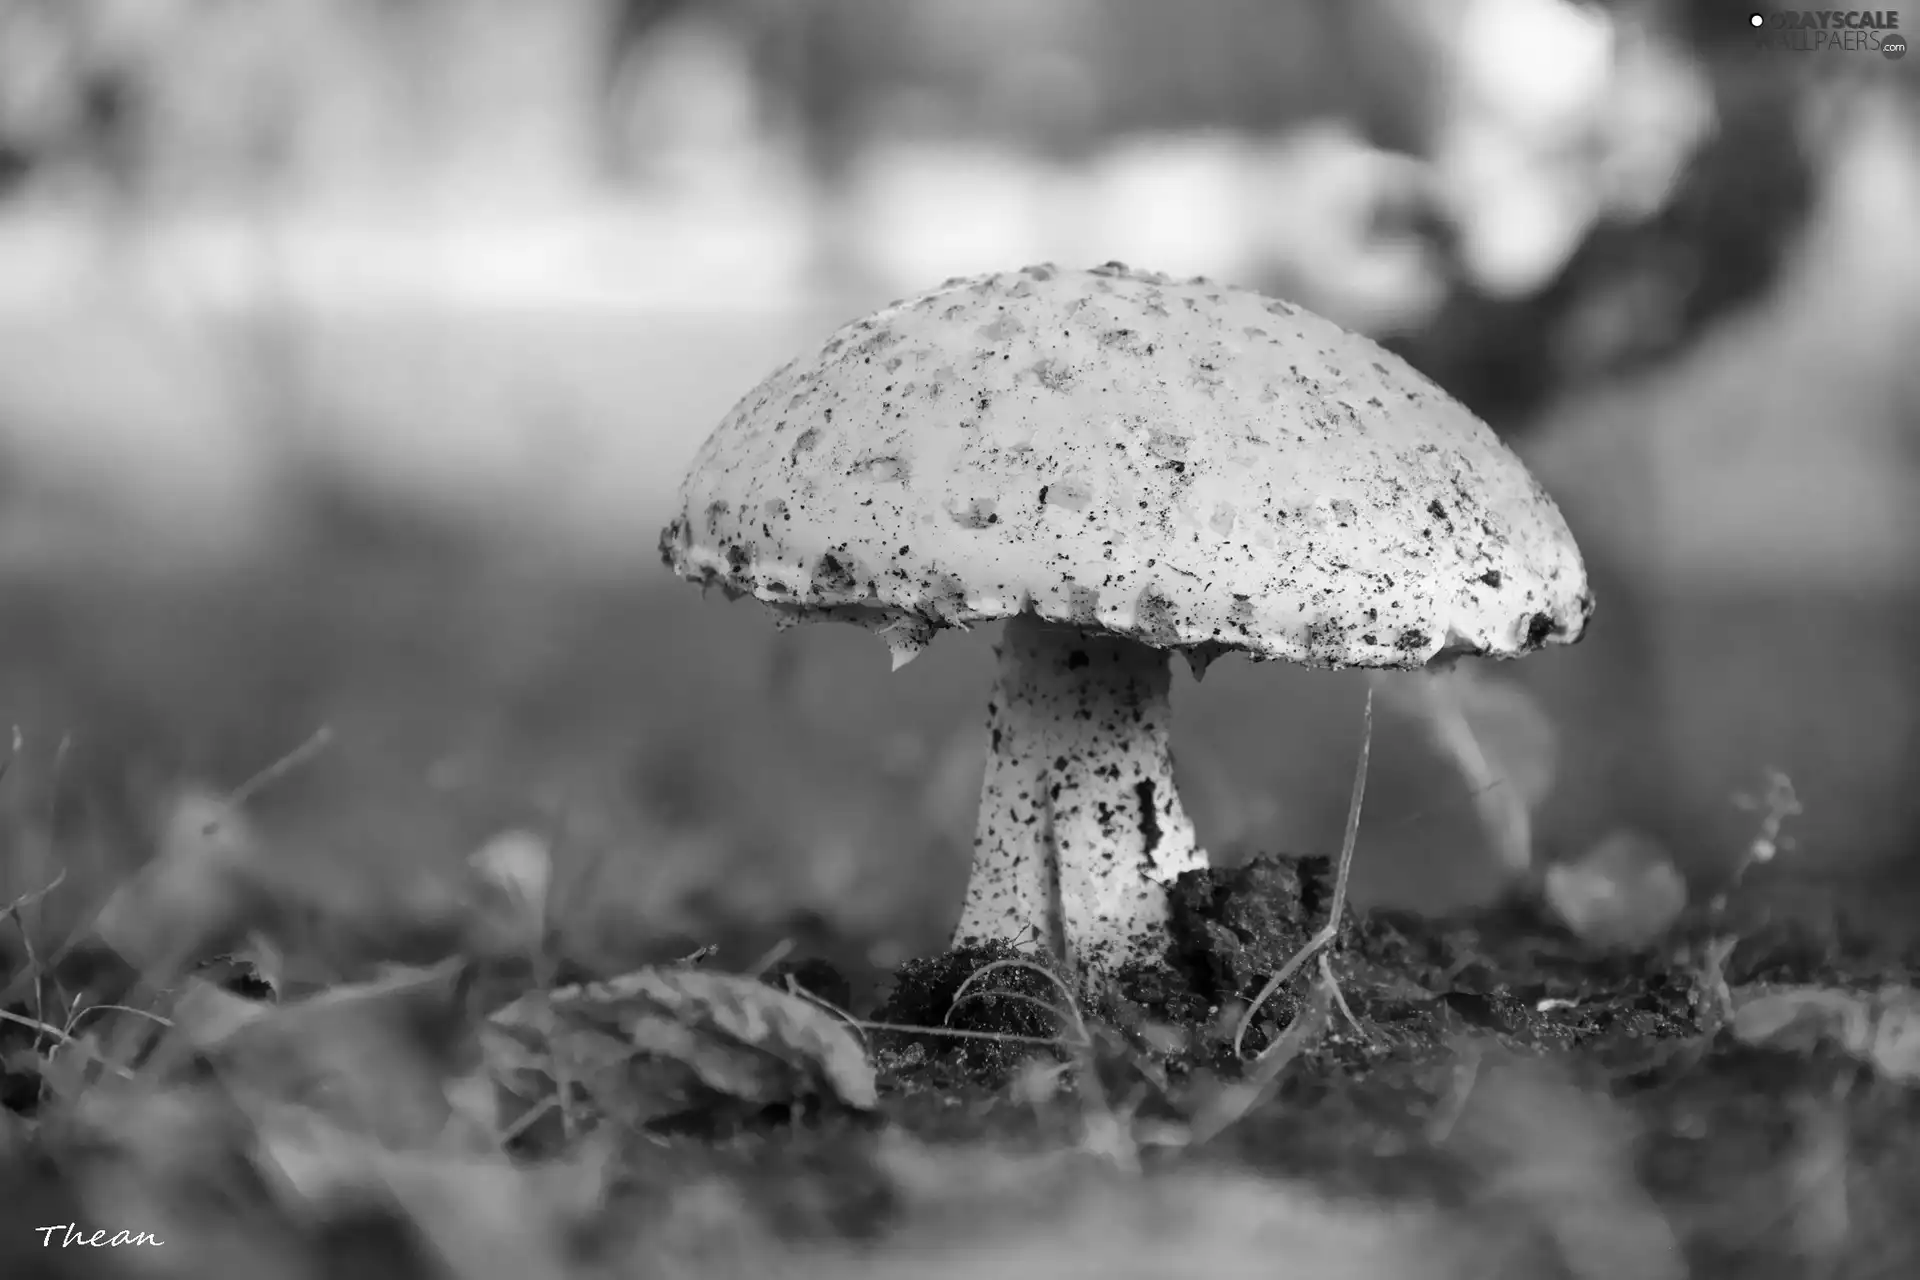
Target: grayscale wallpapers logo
<point x="1830" y="30"/>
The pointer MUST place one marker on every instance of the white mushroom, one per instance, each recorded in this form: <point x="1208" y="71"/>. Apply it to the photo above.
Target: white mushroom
<point x="1120" y="465"/>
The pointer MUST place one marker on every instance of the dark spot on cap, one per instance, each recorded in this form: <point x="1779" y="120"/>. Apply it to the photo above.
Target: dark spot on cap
<point x="977" y="513"/>
<point x="737" y="558"/>
<point x="806" y="440"/>
<point x="1149" y="818"/>
<point x="1491" y="577"/>
<point x="1411" y="640"/>
<point x="883" y="467"/>
<point x="1435" y="510"/>
<point x="832" y="575"/>
<point x="1539" y="627"/>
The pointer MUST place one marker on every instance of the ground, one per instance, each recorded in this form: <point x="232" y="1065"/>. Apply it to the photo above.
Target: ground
<point x="1504" y="1101"/>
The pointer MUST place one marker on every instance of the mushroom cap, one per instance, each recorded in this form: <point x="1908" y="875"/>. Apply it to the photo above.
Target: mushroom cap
<point x="1183" y="463"/>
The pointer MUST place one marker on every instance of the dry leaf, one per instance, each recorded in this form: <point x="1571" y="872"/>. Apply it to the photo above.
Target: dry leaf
<point x="374" y="1057"/>
<point x="1624" y="892"/>
<point x="204" y="1014"/>
<point x="193" y="896"/>
<point x="681" y="1039"/>
<point x="1882" y="1029"/>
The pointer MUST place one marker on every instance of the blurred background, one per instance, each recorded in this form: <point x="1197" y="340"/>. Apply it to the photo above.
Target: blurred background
<point x="351" y="350"/>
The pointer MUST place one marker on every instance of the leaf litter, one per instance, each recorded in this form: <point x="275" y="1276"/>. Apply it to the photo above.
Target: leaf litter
<point x="662" y="1042"/>
<point x="1506" y="1098"/>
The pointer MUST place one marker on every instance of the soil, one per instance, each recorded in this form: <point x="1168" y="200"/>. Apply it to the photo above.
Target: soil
<point x="1494" y="1067"/>
<point x="1411" y="1104"/>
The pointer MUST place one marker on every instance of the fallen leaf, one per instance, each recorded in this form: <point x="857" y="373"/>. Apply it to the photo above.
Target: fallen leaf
<point x="686" y="1038"/>
<point x="1879" y="1028"/>
<point x="197" y="893"/>
<point x="1625" y="892"/>
<point x="374" y="1057"/>
<point x="1896" y="1038"/>
<point x="1499" y="739"/>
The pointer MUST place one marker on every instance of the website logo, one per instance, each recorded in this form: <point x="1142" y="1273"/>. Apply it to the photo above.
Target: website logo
<point x="1830" y="31"/>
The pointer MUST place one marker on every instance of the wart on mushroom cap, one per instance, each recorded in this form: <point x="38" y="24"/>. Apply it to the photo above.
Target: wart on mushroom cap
<point x="1150" y="465"/>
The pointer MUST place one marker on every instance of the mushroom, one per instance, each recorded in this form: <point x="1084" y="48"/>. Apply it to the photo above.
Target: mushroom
<point x="1119" y="465"/>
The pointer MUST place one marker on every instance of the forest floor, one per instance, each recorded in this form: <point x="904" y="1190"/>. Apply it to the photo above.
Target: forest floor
<point x="288" y="1030"/>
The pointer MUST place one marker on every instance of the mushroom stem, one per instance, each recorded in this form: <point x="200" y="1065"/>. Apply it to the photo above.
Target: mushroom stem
<point x="1080" y="829"/>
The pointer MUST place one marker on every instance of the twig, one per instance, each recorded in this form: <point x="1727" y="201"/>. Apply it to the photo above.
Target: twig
<point x="1060" y="1015"/>
<point x="1105" y="1130"/>
<point x="955" y="1033"/>
<point x="530" y="1117"/>
<point x="35" y="969"/>
<point x="1498" y="806"/>
<point x="773" y="955"/>
<point x="18" y="906"/>
<point x="52" y="1032"/>
<point x="1340" y="998"/>
<point x="846" y="1016"/>
<point x="1066" y="992"/>
<point x="1331" y="930"/>
<point x="148" y="1014"/>
<point x="1236" y="1101"/>
<point x="318" y="741"/>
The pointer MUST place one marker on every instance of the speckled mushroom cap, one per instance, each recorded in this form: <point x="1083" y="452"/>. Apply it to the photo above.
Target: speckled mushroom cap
<point x="1179" y="462"/>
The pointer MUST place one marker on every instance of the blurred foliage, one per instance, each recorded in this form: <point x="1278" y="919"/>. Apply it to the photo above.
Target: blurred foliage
<point x="1635" y="292"/>
<point x="91" y="84"/>
<point x="1063" y="77"/>
<point x="107" y="107"/>
<point x="1060" y="76"/>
